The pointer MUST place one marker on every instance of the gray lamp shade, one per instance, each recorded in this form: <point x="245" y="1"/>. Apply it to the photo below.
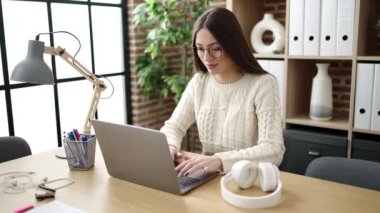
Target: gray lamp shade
<point x="33" y="68"/>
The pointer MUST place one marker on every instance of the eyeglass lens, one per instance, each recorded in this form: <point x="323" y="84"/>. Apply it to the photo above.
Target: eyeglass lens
<point x="214" y="52"/>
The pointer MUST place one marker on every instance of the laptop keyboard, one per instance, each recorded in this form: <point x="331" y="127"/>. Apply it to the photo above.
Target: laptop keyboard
<point x="186" y="181"/>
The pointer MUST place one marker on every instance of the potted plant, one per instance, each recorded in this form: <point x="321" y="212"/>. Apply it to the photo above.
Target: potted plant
<point x="170" y="24"/>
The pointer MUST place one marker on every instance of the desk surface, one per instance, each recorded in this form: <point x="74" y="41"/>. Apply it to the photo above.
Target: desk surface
<point x="96" y="191"/>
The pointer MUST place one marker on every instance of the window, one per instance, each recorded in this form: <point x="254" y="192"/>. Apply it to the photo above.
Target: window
<point x="41" y="113"/>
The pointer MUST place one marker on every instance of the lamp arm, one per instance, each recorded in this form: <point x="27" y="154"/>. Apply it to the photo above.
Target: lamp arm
<point x="98" y="84"/>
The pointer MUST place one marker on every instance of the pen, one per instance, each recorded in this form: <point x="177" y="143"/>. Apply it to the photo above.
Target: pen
<point x="76" y="133"/>
<point x="72" y="137"/>
<point x="24" y="209"/>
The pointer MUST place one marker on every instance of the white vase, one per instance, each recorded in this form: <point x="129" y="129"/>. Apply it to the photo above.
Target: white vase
<point x="268" y="23"/>
<point x="321" y="104"/>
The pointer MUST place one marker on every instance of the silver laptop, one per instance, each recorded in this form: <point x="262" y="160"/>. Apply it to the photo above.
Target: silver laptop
<point x="142" y="156"/>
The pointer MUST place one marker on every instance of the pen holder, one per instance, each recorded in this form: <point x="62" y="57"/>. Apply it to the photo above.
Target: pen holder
<point x="80" y="154"/>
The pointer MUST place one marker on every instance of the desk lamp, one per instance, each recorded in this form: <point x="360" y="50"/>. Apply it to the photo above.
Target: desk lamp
<point x="33" y="69"/>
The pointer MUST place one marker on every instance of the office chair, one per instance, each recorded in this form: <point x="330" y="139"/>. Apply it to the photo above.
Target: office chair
<point x="12" y="147"/>
<point x="356" y="172"/>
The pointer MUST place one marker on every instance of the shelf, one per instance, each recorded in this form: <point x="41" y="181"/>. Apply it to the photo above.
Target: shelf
<point x="368" y="58"/>
<point x="269" y="56"/>
<point x="306" y="57"/>
<point x="299" y="70"/>
<point x="339" y="122"/>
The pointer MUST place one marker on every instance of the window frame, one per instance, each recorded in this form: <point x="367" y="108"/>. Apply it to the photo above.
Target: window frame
<point x="7" y="87"/>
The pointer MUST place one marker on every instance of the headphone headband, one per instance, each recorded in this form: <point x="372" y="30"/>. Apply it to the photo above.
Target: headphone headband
<point x="250" y="202"/>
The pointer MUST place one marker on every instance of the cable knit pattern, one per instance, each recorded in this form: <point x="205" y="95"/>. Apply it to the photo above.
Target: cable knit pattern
<point x="240" y="120"/>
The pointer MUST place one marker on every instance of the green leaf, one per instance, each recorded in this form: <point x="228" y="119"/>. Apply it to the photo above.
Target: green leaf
<point x="150" y="1"/>
<point x="138" y="17"/>
<point x="164" y="92"/>
<point x="154" y="52"/>
<point x="152" y="34"/>
<point x="170" y="23"/>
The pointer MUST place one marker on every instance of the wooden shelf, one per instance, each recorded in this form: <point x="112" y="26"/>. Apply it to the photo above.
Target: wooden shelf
<point x="329" y="58"/>
<point x="299" y="70"/>
<point x="368" y="58"/>
<point x="270" y="56"/>
<point x="339" y="122"/>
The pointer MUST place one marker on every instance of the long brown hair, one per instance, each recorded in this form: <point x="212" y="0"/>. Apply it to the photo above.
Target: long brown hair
<point x="226" y="29"/>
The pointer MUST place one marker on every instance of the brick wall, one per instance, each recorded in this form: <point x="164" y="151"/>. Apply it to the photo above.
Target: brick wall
<point x="156" y="110"/>
<point x="340" y="73"/>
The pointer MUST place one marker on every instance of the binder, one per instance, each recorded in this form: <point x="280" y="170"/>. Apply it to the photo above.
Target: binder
<point x="375" y="124"/>
<point x="311" y="35"/>
<point x="296" y="22"/>
<point x="277" y="69"/>
<point x="265" y="64"/>
<point x="328" y="27"/>
<point x="363" y="96"/>
<point x="345" y="27"/>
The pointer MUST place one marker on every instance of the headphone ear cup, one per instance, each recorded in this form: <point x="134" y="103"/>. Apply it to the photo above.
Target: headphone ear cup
<point x="268" y="176"/>
<point x="244" y="173"/>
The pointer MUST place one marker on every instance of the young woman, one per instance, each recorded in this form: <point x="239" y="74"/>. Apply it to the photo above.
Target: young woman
<point x="234" y="102"/>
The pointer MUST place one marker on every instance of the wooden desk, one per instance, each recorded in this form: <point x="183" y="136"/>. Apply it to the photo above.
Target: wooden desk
<point x="96" y="191"/>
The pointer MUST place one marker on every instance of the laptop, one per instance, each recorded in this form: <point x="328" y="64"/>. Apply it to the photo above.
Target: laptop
<point x="141" y="155"/>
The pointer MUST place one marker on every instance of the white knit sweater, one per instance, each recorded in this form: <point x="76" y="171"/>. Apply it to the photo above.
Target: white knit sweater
<point x="240" y="120"/>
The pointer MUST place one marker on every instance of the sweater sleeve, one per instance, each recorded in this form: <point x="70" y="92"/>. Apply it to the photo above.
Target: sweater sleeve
<point x="183" y="116"/>
<point x="270" y="145"/>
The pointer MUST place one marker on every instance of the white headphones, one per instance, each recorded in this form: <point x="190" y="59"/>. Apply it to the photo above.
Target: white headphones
<point x="244" y="173"/>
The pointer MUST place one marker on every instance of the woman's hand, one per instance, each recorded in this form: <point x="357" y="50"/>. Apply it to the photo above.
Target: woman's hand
<point x="173" y="151"/>
<point x="176" y="155"/>
<point x="206" y="163"/>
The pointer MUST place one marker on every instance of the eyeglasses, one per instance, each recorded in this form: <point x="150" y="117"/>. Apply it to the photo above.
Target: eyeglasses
<point x="215" y="52"/>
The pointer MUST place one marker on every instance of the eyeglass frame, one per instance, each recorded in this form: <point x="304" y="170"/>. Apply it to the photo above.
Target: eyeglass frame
<point x="209" y="50"/>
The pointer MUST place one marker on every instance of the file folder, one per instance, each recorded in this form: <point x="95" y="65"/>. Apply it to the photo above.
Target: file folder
<point x="328" y="27"/>
<point x="311" y="35"/>
<point x="375" y="124"/>
<point x="265" y="64"/>
<point x="363" y="96"/>
<point x="345" y="27"/>
<point x="296" y="22"/>
<point x="277" y="69"/>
